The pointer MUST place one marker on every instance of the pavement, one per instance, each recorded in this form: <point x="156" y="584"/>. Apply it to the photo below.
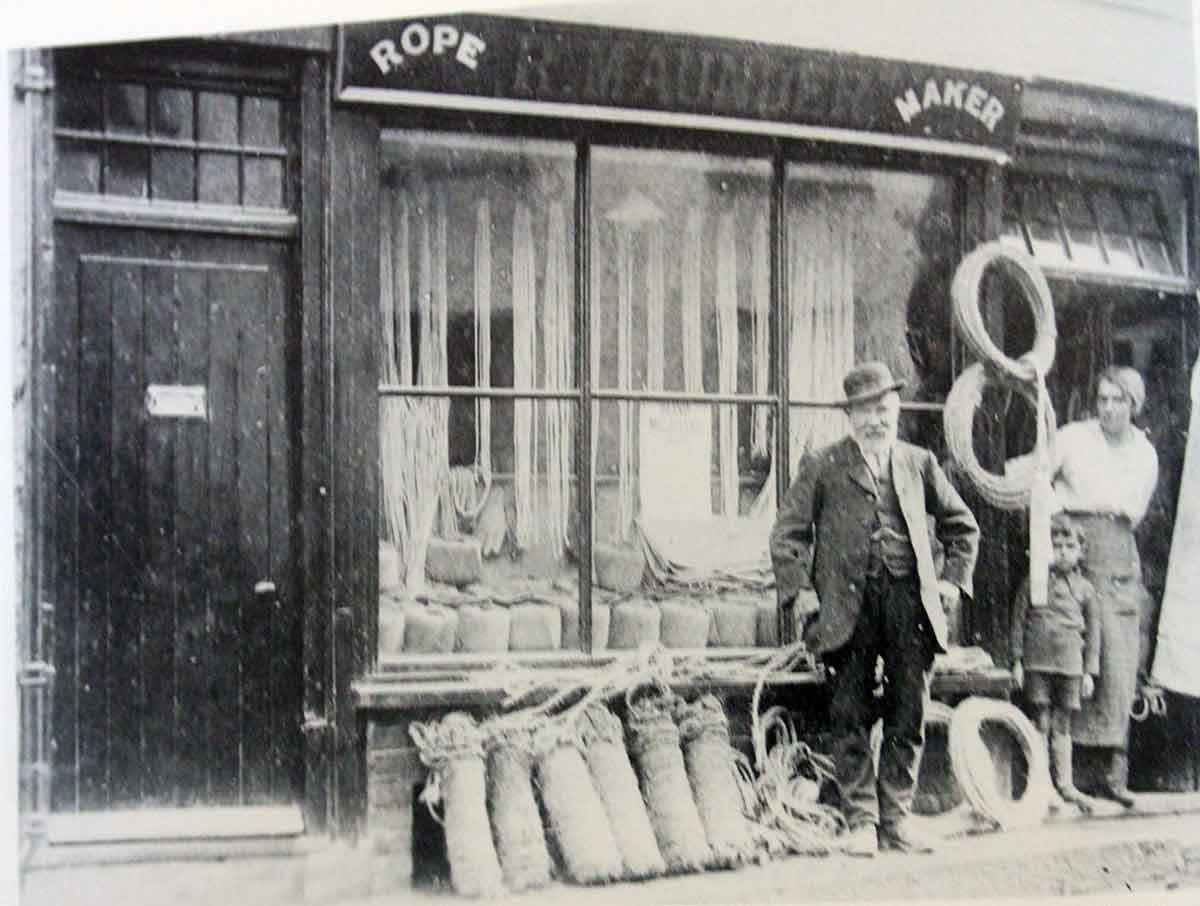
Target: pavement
<point x="1150" y="855"/>
<point x="1154" y="853"/>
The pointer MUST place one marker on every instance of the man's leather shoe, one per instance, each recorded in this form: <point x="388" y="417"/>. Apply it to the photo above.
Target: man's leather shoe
<point x="862" y="841"/>
<point x="903" y="837"/>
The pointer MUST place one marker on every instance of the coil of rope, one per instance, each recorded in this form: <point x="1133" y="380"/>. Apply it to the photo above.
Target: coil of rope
<point x="1024" y="374"/>
<point x="975" y="771"/>
<point x="1024" y="271"/>
<point x="1149" y="700"/>
<point x="1012" y="490"/>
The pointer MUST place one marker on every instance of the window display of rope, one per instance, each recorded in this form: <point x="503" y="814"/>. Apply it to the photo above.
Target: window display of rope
<point x="483" y="333"/>
<point x="524" y="375"/>
<point x="655" y="309"/>
<point x="626" y="482"/>
<point x="447" y="523"/>
<point x="692" y="269"/>
<point x="452" y="749"/>
<point x="760" y="301"/>
<point x="975" y="771"/>
<point x="410" y="443"/>
<point x="727" y="357"/>
<point x="557" y="345"/>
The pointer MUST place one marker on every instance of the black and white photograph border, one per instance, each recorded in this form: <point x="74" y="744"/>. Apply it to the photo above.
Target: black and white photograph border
<point x="396" y="393"/>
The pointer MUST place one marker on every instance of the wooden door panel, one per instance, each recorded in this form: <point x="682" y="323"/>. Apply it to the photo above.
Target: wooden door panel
<point x="185" y="685"/>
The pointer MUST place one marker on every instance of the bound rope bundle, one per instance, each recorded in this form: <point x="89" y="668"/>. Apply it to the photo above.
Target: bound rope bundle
<point x="452" y="749"/>
<point x="574" y="811"/>
<point x="654" y="747"/>
<point x="515" y="820"/>
<point x="603" y="744"/>
<point x="975" y="770"/>
<point x="710" y="761"/>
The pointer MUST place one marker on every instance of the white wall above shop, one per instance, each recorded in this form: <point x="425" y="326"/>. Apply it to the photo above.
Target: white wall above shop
<point x="1143" y="47"/>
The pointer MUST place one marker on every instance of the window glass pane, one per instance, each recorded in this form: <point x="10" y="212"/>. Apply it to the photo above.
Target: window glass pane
<point x="681" y="272"/>
<point x="869" y="259"/>
<point x="685" y="482"/>
<point x="77" y="167"/>
<point x="173" y="175"/>
<point x="217" y="178"/>
<point x="218" y="117"/>
<point x="126" y="169"/>
<point x="263" y="182"/>
<point x="173" y="115"/>
<point x="477" y="290"/>
<point x="477" y="560"/>
<point x="1081" y="229"/>
<point x="260" y="122"/>
<point x="482" y="259"/>
<point x="1115" y="225"/>
<point x="125" y="108"/>
<point x="1042" y="219"/>
<point x="78" y="106"/>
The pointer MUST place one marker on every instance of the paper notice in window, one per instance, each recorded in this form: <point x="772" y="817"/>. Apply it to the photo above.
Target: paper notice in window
<point x="675" y="455"/>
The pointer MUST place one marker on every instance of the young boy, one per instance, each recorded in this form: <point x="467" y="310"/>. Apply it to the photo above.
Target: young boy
<point x="1056" y="650"/>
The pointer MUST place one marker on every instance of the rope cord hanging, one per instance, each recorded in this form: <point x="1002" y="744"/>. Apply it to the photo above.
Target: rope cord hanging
<point x="556" y="350"/>
<point x="760" y="293"/>
<point x="483" y="333"/>
<point x="625" y="478"/>
<point x="727" y="352"/>
<point x="524" y="371"/>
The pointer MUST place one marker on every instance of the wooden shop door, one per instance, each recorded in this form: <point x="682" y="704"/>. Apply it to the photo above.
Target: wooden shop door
<point x="178" y="668"/>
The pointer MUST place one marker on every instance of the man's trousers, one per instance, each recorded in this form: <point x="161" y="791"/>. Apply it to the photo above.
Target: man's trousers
<point x="892" y="625"/>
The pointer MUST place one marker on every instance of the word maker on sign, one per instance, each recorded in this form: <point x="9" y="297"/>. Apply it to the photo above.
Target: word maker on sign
<point x="954" y="94"/>
<point x="418" y="39"/>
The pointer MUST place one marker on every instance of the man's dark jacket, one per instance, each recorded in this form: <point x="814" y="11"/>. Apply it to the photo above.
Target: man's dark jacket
<point x="822" y="537"/>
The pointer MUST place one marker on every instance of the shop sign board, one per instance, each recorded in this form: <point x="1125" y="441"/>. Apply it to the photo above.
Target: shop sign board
<point x="510" y="65"/>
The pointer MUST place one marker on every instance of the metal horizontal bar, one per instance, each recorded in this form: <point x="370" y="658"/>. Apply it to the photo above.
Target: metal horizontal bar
<point x="157" y="141"/>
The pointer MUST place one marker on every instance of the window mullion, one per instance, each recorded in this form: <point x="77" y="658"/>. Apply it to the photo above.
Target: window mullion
<point x="583" y="357"/>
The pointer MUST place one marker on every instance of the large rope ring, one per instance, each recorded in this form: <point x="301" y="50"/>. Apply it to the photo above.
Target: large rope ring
<point x="964" y="290"/>
<point x="975" y="770"/>
<point x="1010" y="491"/>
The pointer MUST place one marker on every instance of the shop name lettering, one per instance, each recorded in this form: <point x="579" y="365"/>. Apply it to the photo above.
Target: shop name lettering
<point x="955" y="94"/>
<point x="418" y="39"/>
<point x="631" y="73"/>
<point x="703" y="79"/>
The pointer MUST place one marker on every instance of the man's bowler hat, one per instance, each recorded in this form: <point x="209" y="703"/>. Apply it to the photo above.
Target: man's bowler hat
<point x="868" y="381"/>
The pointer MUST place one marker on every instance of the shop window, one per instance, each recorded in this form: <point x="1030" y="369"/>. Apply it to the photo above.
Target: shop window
<point x="480" y="401"/>
<point x="479" y="405"/>
<point x="869" y="259"/>
<point x="1124" y="232"/>
<point x="154" y="141"/>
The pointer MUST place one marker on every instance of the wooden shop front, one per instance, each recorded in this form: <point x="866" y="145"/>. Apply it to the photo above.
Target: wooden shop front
<point x="394" y="361"/>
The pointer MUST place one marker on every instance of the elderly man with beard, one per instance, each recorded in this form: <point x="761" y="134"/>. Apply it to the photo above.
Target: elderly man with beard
<point x="853" y="527"/>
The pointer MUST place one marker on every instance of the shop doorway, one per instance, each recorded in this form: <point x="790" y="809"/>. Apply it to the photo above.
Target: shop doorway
<point x="177" y="619"/>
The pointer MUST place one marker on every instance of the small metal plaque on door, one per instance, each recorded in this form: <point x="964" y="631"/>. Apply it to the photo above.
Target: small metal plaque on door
<point x="177" y="401"/>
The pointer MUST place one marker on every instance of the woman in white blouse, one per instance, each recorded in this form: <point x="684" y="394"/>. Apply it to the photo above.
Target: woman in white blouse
<point x="1105" y="473"/>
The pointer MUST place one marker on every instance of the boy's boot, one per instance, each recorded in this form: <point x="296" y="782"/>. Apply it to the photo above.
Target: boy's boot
<point x="1056" y="800"/>
<point x="1063" y="775"/>
<point x="1116" y="779"/>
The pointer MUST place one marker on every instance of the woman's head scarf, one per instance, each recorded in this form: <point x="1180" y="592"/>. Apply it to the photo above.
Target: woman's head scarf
<point x="1131" y="385"/>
